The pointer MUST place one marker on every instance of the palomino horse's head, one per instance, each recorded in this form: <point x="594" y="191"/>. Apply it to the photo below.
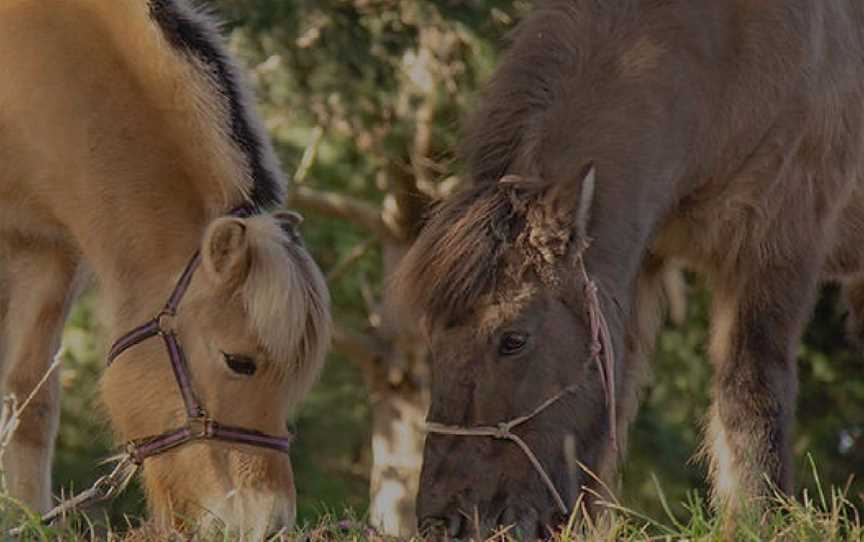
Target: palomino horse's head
<point x="517" y="336"/>
<point x="253" y="327"/>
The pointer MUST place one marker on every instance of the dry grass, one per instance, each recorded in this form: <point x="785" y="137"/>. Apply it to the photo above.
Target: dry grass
<point x="10" y="417"/>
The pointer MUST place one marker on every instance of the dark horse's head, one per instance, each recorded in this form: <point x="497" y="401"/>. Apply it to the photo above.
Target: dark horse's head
<point x="516" y="330"/>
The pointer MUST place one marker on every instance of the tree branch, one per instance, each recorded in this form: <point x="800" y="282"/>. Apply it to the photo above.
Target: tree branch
<point x="410" y="173"/>
<point x="310" y="155"/>
<point x="406" y="204"/>
<point x="357" y="251"/>
<point x="421" y="148"/>
<point x="352" y="210"/>
<point x="363" y="350"/>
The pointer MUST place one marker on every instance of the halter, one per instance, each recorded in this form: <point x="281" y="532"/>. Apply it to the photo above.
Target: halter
<point x="600" y="352"/>
<point x="199" y="425"/>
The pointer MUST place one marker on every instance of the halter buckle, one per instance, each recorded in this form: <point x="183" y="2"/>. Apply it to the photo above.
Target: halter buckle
<point x="502" y="431"/>
<point x="131" y="449"/>
<point x="201" y="426"/>
<point x="166" y="321"/>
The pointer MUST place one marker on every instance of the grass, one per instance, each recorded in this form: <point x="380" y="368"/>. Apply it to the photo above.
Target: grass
<point x="828" y="516"/>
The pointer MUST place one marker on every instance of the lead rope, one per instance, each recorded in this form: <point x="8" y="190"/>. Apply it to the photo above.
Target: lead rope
<point x="105" y="488"/>
<point x="601" y="353"/>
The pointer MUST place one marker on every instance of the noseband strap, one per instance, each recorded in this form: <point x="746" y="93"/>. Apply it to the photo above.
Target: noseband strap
<point x="600" y="352"/>
<point x="199" y="425"/>
<point x="504" y="431"/>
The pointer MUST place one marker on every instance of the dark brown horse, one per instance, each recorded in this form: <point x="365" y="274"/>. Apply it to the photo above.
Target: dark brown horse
<point x="727" y="135"/>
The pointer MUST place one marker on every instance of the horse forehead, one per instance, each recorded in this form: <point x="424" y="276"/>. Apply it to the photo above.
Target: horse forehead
<point x="642" y="57"/>
<point x="505" y="307"/>
<point x="528" y="267"/>
<point x="223" y="313"/>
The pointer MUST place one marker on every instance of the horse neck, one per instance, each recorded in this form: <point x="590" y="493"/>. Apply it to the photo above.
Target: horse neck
<point x="141" y="158"/>
<point x="139" y="257"/>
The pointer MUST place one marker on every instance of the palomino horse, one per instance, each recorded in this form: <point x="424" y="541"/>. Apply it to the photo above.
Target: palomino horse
<point x="724" y="134"/>
<point x="126" y="138"/>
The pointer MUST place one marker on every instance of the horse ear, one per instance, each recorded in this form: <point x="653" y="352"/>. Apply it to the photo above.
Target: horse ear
<point x="225" y="251"/>
<point x="586" y="200"/>
<point x="511" y="180"/>
<point x="572" y="201"/>
<point x="292" y="218"/>
<point x="290" y="222"/>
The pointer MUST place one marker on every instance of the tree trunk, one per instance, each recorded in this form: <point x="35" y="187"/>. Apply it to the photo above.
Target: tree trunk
<point x="397" y="452"/>
<point x="399" y="397"/>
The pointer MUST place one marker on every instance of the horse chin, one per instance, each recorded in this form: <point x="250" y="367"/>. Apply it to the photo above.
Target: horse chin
<point x="247" y="514"/>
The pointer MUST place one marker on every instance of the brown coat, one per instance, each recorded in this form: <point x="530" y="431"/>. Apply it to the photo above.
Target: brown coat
<point x="126" y="132"/>
<point x="727" y="135"/>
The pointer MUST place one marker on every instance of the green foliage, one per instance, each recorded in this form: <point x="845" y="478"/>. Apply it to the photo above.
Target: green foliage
<point x="667" y="433"/>
<point x="331" y="456"/>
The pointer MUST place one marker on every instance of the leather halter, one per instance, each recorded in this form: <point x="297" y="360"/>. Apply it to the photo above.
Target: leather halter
<point x="600" y="352"/>
<point x="199" y="425"/>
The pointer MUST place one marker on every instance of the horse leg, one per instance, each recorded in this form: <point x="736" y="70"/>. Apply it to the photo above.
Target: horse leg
<point x="757" y="319"/>
<point x="39" y="289"/>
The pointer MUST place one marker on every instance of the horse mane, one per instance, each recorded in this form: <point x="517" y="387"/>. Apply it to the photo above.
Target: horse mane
<point x="462" y="251"/>
<point x="287" y="301"/>
<point x="504" y="133"/>
<point x="481" y="237"/>
<point x="194" y="33"/>
<point x="173" y="56"/>
<point x="455" y="261"/>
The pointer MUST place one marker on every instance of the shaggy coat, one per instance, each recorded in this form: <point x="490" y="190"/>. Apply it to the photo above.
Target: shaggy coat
<point x="725" y="135"/>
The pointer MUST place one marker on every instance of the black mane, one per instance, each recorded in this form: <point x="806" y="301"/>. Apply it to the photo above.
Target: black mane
<point x="195" y="34"/>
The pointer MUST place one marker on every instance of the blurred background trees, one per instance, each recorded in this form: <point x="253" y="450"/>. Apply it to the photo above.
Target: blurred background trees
<point x="364" y="99"/>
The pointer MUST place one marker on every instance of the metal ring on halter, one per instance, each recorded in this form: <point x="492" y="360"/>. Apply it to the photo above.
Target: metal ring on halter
<point x="165" y="321"/>
<point x="201" y="427"/>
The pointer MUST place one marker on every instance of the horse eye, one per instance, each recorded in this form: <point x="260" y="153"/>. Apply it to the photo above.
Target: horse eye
<point x="242" y="365"/>
<point x="512" y="343"/>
